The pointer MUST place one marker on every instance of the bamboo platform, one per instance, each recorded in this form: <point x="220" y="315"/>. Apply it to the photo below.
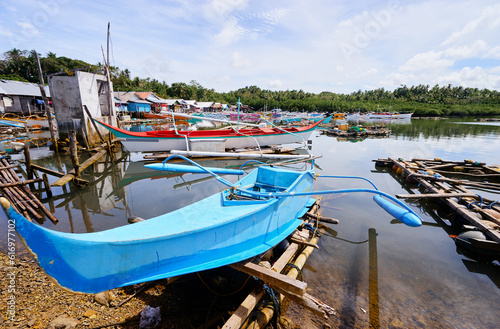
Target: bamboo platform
<point x="259" y="308"/>
<point x="349" y="131"/>
<point x="20" y="196"/>
<point x="480" y="213"/>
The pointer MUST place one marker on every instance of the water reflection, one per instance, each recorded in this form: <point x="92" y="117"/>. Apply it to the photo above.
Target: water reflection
<point x="443" y="128"/>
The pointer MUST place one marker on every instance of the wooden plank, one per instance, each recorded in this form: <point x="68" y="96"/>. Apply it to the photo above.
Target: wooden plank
<point x="436" y="195"/>
<point x="322" y="218"/>
<point x="492" y="169"/>
<point x="72" y="174"/>
<point x="272" y="279"/>
<point x="299" y="241"/>
<point x="441" y="166"/>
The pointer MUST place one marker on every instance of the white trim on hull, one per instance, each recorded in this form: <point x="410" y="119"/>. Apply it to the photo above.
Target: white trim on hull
<point x="151" y="144"/>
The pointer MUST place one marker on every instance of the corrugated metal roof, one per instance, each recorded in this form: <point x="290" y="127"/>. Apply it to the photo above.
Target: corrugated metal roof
<point x="19" y="88"/>
<point x="205" y="104"/>
<point x="143" y="94"/>
<point x="123" y="95"/>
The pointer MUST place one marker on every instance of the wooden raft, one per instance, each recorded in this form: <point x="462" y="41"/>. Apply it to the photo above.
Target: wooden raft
<point x="20" y="196"/>
<point x="481" y="213"/>
<point x="281" y="278"/>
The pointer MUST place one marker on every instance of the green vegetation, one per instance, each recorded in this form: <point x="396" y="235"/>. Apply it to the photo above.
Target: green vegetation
<point x="423" y="100"/>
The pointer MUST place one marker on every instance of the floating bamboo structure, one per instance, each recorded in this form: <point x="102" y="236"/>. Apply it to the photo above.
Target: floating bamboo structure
<point x="344" y="130"/>
<point x="480" y="213"/>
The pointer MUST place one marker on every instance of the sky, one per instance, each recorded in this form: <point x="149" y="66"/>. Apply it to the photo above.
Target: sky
<point x="316" y="45"/>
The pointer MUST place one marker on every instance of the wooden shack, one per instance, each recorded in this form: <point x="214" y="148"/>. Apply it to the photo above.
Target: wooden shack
<point x="70" y="96"/>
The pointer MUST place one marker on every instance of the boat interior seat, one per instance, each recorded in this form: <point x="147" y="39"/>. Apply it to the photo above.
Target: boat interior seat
<point x="276" y="178"/>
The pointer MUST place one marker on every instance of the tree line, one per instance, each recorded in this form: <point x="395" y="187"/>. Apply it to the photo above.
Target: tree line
<point x="423" y="100"/>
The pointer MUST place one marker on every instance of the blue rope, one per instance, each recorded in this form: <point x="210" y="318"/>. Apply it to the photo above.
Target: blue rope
<point x="252" y="161"/>
<point x="310" y="228"/>
<point x="475" y="202"/>
<point x="491" y="204"/>
<point x="220" y="179"/>
<point x="354" y="177"/>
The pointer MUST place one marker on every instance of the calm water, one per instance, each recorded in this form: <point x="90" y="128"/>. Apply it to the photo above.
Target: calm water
<point x="422" y="281"/>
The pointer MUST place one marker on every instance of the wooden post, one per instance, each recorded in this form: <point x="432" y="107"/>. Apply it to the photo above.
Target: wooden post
<point x="85" y="214"/>
<point x="373" y="279"/>
<point x="27" y="161"/>
<point x="46" y="104"/>
<point x="73" y="149"/>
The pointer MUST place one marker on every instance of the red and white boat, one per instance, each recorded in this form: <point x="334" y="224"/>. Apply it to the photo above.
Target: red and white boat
<point x="167" y="140"/>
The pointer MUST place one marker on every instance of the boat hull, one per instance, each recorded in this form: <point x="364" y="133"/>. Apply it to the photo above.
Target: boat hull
<point x="210" y="233"/>
<point x="168" y="140"/>
<point x="389" y="116"/>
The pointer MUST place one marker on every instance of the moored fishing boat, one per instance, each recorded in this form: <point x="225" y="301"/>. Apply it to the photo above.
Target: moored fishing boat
<point x="388" y="116"/>
<point x="249" y="218"/>
<point x="224" y="228"/>
<point x="167" y="140"/>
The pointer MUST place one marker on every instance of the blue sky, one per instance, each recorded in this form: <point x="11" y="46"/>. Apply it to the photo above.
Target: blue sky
<point x="316" y="45"/>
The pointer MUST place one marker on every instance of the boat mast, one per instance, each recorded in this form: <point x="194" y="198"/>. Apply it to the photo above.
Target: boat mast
<point x="238" y="126"/>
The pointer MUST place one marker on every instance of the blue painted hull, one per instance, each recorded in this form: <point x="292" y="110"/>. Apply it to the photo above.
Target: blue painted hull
<point x="210" y="233"/>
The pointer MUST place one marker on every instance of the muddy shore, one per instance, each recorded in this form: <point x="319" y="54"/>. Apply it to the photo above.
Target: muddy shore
<point x="186" y="303"/>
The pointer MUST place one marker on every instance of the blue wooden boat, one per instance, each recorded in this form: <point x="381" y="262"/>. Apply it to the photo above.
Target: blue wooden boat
<point x="225" y="228"/>
<point x="249" y="218"/>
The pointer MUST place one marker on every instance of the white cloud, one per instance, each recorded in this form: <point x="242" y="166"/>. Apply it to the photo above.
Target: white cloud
<point x="230" y="32"/>
<point x="5" y="32"/>
<point x="238" y="60"/>
<point x="275" y="84"/>
<point x="474" y="49"/>
<point x="430" y="60"/>
<point x="488" y="21"/>
<point x="220" y="9"/>
<point x="222" y="79"/>
<point x="472" y="77"/>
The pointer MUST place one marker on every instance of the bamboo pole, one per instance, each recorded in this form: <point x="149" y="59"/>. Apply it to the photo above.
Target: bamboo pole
<point x="53" y="136"/>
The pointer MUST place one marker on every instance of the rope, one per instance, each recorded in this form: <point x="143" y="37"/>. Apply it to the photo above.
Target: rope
<point x="275" y="299"/>
<point x="310" y="228"/>
<point x="352" y="177"/>
<point x="299" y="270"/>
<point x="251" y="161"/>
<point x="480" y="203"/>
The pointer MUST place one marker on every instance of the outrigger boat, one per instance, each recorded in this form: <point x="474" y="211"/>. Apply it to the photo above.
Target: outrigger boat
<point x="249" y="218"/>
<point x="167" y="140"/>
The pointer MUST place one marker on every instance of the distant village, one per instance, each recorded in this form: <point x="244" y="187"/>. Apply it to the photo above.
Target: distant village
<point x="24" y="98"/>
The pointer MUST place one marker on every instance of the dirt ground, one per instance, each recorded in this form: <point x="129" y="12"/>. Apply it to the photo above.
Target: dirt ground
<point x="193" y="301"/>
